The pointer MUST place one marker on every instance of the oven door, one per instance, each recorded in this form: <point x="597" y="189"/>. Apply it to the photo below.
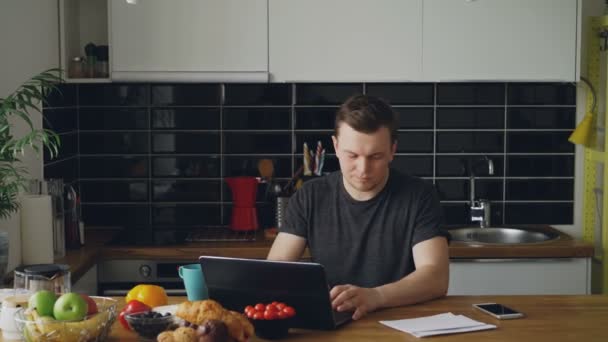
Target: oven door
<point x="121" y="289"/>
<point x="117" y="277"/>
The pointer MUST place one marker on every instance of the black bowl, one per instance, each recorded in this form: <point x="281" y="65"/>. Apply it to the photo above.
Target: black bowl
<point x="271" y="329"/>
<point x="149" y="327"/>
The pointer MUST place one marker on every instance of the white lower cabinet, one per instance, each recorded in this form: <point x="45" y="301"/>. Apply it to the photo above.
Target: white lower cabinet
<point x="520" y="276"/>
<point x="87" y="284"/>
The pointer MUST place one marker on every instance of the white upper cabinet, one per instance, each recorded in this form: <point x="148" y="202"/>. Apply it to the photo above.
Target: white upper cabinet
<point x="500" y="40"/>
<point x="189" y="40"/>
<point x="345" y="40"/>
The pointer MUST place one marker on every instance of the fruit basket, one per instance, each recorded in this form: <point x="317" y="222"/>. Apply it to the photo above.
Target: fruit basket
<point x="93" y="328"/>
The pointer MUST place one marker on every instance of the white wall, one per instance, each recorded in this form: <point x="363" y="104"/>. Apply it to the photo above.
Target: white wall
<point x="29" y="36"/>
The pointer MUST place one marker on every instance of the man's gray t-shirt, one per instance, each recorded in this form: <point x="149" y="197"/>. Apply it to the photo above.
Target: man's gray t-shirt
<point x="364" y="243"/>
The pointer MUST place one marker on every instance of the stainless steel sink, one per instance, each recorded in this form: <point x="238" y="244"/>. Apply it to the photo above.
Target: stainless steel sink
<point x="501" y="235"/>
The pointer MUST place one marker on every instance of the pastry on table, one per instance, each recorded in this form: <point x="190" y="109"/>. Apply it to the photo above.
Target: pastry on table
<point x="208" y="321"/>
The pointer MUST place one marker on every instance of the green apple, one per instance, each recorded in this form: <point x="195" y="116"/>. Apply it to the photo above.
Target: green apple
<point x="43" y="301"/>
<point x="70" y="307"/>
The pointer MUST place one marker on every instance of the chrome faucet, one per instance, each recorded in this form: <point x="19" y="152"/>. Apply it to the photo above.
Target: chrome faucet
<point x="480" y="209"/>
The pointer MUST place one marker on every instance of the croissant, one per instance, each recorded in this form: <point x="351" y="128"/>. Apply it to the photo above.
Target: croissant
<point x="199" y="312"/>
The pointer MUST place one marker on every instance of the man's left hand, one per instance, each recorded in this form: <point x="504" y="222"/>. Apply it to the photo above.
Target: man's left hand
<point x="353" y="298"/>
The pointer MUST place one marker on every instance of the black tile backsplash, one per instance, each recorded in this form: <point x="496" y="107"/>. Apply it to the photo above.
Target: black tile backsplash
<point x="131" y="215"/>
<point x="186" y="190"/>
<point x="414" y="117"/>
<point x="156" y="154"/>
<point x="93" y="119"/>
<point x="540" y="166"/>
<point x="471" y="94"/>
<point x="186" y="118"/>
<point x="540" y="189"/>
<point x="68" y="147"/>
<point x="257" y="143"/>
<point x="257" y="118"/>
<point x="415" y="142"/>
<point x="112" y="94"/>
<point x="470" y="142"/>
<point x="403" y="93"/>
<point x="459" y="189"/>
<point x="113" y="191"/>
<point x="456" y="166"/>
<point x="66" y="169"/>
<point x="185" y="94"/>
<point x="541" y="118"/>
<point x="114" y="167"/>
<point x="193" y="215"/>
<point x="539" y="213"/>
<point x="113" y="142"/>
<point x="470" y="118"/>
<point x="258" y="94"/>
<point x="61" y="120"/>
<point x="420" y="166"/>
<point x="242" y="166"/>
<point x="186" y="142"/>
<point x="325" y="94"/>
<point x="315" y="118"/>
<point x="539" y="142"/>
<point x="64" y="95"/>
<point x="186" y="166"/>
<point x="541" y="94"/>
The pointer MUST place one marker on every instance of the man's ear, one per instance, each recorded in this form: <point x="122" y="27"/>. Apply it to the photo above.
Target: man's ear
<point x="393" y="150"/>
<point x="334" y="139"/>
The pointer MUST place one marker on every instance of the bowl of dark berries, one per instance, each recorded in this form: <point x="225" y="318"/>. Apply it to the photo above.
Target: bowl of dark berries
<point x="149" y="324"/>
<point x="271" y="321"/>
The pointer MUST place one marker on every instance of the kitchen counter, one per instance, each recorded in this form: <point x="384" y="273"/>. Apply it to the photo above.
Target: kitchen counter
<point x="80" y="260"/>
<point x="548" y="318"/>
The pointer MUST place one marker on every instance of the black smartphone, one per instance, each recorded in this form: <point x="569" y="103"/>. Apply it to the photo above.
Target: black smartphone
<point x="498" y="310"/>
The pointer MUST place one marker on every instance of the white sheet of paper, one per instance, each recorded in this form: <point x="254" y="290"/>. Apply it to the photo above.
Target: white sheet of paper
<point x="446" y="323"/>
<point x="454" y="331"/>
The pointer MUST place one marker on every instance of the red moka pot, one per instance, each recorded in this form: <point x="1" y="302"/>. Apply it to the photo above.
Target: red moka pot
<point x="244" y="213"/>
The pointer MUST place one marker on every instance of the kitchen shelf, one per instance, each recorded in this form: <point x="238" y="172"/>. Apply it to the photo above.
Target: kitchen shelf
<point x="81" y="22"/>
<point x="87" y="80"/>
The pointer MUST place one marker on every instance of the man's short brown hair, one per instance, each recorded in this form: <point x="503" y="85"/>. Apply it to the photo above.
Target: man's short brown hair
<point x="366" y="114"/>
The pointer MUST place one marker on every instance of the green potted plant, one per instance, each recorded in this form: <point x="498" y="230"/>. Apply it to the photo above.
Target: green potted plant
<point x="24" y="102"/>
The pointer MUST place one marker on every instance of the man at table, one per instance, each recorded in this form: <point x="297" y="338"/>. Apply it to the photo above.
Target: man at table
<point x="375" y="230"/>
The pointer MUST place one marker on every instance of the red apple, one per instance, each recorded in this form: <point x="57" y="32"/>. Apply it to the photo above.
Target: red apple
<point x="92" y="306"/>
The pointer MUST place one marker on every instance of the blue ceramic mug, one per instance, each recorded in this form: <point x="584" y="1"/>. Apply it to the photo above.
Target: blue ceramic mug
<point x="194" y="281"/>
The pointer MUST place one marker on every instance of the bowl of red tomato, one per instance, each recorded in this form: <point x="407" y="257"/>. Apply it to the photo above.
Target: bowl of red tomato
<point x="272" y="320"/>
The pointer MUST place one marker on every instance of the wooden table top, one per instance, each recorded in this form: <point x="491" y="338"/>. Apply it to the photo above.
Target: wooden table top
<point x="548" y="318"/>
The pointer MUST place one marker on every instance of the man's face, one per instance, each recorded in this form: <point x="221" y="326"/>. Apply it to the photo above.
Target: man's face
<point x="364" y="158"/>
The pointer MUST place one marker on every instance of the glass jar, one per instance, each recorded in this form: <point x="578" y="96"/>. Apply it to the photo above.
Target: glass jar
<point x="76" y="68"/>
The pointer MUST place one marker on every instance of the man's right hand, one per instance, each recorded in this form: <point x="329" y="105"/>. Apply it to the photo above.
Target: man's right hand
<point x="361" y="300"/>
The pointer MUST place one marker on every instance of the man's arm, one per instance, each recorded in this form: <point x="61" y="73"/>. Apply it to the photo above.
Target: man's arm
<point x="287" y="247"/>
<point x="429" y="280"/>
